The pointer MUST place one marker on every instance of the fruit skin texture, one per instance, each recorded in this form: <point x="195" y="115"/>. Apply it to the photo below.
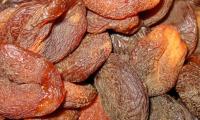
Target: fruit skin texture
<point x="66" y="34"/>
<point x="122" y="94"/>
<point x="94" y="112"/>
<point x="188" y="85"/>
<point x="167" y="108"/>
<point x="30" y="86"/>
<point x="60" y="114"/>
<point x="19" y="18"/>
<point x="156" y="14"/>
<point x="39" y="25"/>
<point x="185" y="21"/>
<point x="78" y="96"/>
<point x="119" y="9"/>
<point x="99" y="24"/>
<point x="123" y="44"/>
<point x="87" y="58"/>
<point x="158" y="58"/>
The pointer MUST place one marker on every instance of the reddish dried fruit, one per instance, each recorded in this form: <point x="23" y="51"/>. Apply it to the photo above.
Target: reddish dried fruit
<point x="18" y="19"/>
<point x="119" y="9"/>
<point x="87" y="58"/>
<point x="154" y="15"/>
<point x="124" y="44"/>
<point x="66" y="35"/>
<point x="39" y="26"/>
<point x="166" y="108"/>
<point x="99" y="24"/>
<point x="29" y="85"/>
<point x="4" y="18"/>
<point x="188" y="85"/>
<point x="4" y="5"/>
<point x="78" y="95"/>
<point x="61" y="114"/>
<point x="122" y="94"/>
<point x="94" y="112"/>
<point x="185" y="21"/>
<point x="158" y="59"/>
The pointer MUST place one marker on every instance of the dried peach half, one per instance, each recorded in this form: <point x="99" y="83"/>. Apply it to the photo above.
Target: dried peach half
<point x="30" y="86"/>
<point x="119" y="9"/>
<point x="158" y="58"/>
<point x="87" y="58"/>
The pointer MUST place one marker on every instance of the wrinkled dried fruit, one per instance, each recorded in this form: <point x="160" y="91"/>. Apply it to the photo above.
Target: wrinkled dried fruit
<point x="29" y="85"/>
<point x="61" y="114"/>
<point x="87" y="58"/>
<point x="124" y="44"/>
<point x="167" y="108"/>
<point x="185" y="21"/>
<point x="94" y="112"/>
<point x="188" y="85"/>
<point x="4" y="4"/>
<point x="78" y="96"/>
<point x="196" y="7"/>
<point x="19" y="18"/>
<point x="99" y="24"/>
<point x="39" y="26"/>
<point x="158" y="59"/>
<point x="119" y="9"/>
<point x="66" y="35"/>
<point x="4" y="17"/>
<point x="154" y="15"/>
<point x="15" y="1"/>
<point x="122" y="94"/>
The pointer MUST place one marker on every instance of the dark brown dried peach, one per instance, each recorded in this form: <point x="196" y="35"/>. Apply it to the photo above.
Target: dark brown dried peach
<point x="99" y="24"/>
<point x="167" y="108"/>
<point x="123" y="44"/>
<point x="158" y="58"/>
<point x="121" y="91"/>
<point x="188" y="85"/>
<point x="196" y="6"/>
<point x="87" y="58"/>
<point x="29" y="85"/>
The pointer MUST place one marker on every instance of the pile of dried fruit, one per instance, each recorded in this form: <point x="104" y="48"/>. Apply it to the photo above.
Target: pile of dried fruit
<point x="100" y="59"/>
